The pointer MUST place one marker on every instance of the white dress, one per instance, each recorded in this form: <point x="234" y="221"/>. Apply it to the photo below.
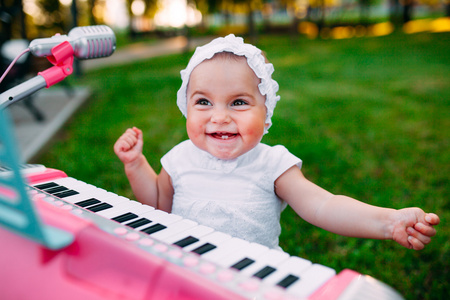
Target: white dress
<point x="232" y="196"/>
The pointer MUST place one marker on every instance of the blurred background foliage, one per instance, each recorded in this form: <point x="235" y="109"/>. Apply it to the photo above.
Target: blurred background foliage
<point x="28" y="19"/>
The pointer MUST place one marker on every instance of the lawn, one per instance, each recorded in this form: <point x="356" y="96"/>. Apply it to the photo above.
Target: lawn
<point x="369" y="117"/>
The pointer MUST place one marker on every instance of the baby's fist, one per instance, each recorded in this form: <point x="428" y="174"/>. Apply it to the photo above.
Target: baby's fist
<point x="414" y="228"/>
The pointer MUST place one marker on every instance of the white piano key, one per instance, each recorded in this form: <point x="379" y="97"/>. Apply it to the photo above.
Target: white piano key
<point x="293" y="266"/>
<point x="99" y="194"/>
<point x="310" y="280"/>
<point x="87" y="191"/>
<point x="215" y="238"/>
<point x="62" y="181"/>
<point x="136" y="208"/>
<point x="174" y="228"/>
<point x="68" y="180"/>
<point x="196" y="232"/>
<point x="71" y="183"/>
<point x="80" y="186"/>
<point x="158" y="218"/>
<point x="228" y="248"/>
<point x="152" y="216"/>
<point x="162" y="217"/>
<point x="272" y="259"/>
<point x="251" y="251"/>
<point x="47" y="185"/>
<point x="144" y="208"/>
<point x="116" y="203"/>
<point x="120" y="206"/>
<point x="138" y="223"/>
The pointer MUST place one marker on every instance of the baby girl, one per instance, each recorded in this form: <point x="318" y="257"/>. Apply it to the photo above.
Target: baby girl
<point x="225" y="178"/>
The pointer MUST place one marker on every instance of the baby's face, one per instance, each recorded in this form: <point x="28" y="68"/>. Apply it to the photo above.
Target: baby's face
<point x="226" y="112"/>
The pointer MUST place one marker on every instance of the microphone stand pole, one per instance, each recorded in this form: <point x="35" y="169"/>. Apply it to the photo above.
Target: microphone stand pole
<point x="62" y="60"/>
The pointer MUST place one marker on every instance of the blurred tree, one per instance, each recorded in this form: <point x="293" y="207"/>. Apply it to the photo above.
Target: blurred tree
<point x="91" y="5"/>
<point x="202" y="6"/>
<point x="251" y="6"/>
<point x="151" y="7"/>
<point x="291" y="5"/>
<point x="131" y="30"/>
<point x="317" y="12"/>
<point x="400" y="11"/>
<point x="224" y="7"/>
<point x="267" y="12"/>
<point x="364" y="12"/>
<point x="12" y="20"/>
<point x="51" y="10"/>
<point x="408" y="6"/>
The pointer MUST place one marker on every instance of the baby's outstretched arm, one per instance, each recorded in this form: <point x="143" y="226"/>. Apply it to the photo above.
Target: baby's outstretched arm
<point x="148" y="187"/>
<point x="410" y="227"/>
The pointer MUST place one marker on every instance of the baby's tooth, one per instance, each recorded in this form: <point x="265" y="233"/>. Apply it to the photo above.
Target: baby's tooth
<point x="224" y="137"/>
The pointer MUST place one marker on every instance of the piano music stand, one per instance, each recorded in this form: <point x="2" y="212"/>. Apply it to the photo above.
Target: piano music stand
<point x="17" y="212"/>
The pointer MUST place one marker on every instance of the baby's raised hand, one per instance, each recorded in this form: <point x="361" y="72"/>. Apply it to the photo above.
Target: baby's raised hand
<point x="413" y="228"/>
<point x="129" y="145"/>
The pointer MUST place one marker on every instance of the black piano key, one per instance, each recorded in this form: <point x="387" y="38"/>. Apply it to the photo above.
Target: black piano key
<point x="264" y="272"/>
<point x="99" y="207"/>
<point x="46" y="185"/>
<point x="154" y="228"/>
<point x="88" y="202"/>
<point x="56" y="189"/>
<point x="186" y="241"/>
<point x="243" y="263"/>
<point x="65" y="194"/>
<point x="125" y="217"/>
<point x="287" y="281"/>
<point x="138" y="223"/>
<point x="204" y="248"/>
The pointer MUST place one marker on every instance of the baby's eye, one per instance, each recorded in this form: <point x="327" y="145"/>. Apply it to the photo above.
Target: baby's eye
<point x="203" y="102"/>
<point x="239" y="102"/>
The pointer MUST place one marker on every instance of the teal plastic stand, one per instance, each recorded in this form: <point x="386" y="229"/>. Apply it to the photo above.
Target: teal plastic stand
<point x="17" y="212"/>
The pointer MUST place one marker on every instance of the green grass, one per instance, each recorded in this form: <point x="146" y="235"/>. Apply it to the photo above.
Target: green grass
<point x="369" y="117"/>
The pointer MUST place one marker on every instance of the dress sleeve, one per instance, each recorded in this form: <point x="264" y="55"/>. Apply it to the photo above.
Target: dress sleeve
<point x="166" y="162"/>
<point x="283" y="160"/>
<point x="172" y="159"/>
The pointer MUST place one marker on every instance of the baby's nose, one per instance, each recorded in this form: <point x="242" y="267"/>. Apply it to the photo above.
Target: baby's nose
<point x="220" y="116"/>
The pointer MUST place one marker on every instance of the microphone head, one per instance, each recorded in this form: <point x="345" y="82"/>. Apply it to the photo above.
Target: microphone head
<point x="92" y="41"/>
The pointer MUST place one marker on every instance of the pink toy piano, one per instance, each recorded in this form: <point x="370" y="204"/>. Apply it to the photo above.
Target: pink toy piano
<point x="65" y="239"/>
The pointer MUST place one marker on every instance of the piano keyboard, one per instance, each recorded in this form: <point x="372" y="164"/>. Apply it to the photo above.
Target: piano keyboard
<point x="249" y="270"/>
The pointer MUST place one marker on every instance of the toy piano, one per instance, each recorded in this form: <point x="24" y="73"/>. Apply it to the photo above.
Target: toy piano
<point x="66" y="239"/>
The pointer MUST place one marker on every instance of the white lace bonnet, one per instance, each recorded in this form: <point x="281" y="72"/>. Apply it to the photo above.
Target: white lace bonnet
<point x="255" y="60"/>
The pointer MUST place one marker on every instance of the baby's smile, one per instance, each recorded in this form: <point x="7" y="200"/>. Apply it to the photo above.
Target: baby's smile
<point x="222" y="135"/>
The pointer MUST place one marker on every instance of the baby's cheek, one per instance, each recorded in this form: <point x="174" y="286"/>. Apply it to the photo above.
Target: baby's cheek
<point x="190" y="125"/>
<point x="255" y="128"/>
<point x="253" y="137"/>
<point x="194" y="130"/>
